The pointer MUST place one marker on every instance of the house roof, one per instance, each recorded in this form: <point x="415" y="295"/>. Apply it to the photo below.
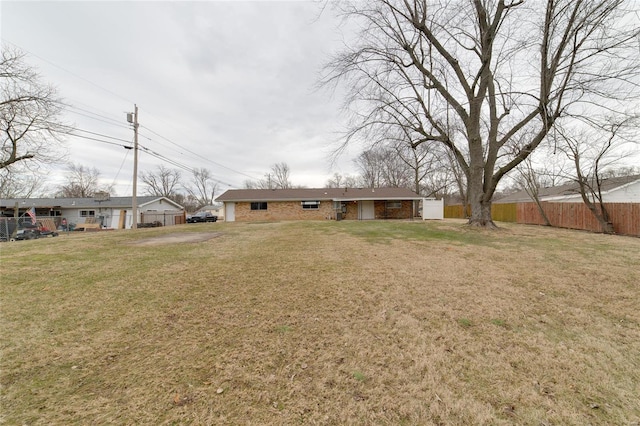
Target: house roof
<point x="111" y="202"/>
<point x="568" y="190"/>
<point x="309" y="194"/>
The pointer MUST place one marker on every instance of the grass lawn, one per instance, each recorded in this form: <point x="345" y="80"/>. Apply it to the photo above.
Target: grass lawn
<point x="339" y="323"/>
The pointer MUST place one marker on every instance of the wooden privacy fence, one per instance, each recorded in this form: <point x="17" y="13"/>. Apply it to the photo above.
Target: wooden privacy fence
<point x="455" y="211"/>
<point x="500" y="212"/>
<point x="625" y="217"/>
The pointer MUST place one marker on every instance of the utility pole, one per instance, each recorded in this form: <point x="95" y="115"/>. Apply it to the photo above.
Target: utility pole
<point x="134" y="200"/>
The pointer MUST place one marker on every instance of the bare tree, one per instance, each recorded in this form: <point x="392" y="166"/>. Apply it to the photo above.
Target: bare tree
<point x="29" y="113"/>
<point x="424" y="163"/>
<point x="530" y="180"/>
<point x="545" y="168"/>
<point x="281" y="175"/>
<point x="438" y="179"/>
<point x="621" y="171"/>
<point x="487" y="79"/>
<point x="593" y="153"/>
<point x="22" y="184"/>
<point x="82" y="182"/>
<point x="189" y="202"/>
<point x="203" y="188"/>
<point x="340" y="181"/>
<point x="369" y="163"/>
<point x="335" y="181"/>
<point x="396" y="172"/>
<point x="249" y="184"/>
<point x="163" y="182"/>
<point x="277" y="178"/>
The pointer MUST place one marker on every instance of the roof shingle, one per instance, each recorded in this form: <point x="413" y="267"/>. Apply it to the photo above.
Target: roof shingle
<point x="334" y="194"/>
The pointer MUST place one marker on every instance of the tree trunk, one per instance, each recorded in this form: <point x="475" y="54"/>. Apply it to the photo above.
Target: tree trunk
<point x="481" y="214"/>
<point x="479" y="199"/>
<point x="480" y="203"/>
<point x="541" y="211"/>
<point x="601" y="216"/>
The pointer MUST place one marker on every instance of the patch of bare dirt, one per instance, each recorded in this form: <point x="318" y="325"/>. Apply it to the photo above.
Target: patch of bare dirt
<point x="177" y="238"/>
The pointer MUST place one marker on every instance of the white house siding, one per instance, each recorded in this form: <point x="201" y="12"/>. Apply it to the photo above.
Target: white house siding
<point x="626" y="194"/>
<point x="629" y="193"/>
<point x="158" y="205"/>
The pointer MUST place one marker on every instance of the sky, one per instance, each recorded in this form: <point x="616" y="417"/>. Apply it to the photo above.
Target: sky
<point x="226" y="86"/>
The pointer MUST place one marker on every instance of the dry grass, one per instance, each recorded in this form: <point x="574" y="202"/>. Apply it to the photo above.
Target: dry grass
<point x="322" y="323"/>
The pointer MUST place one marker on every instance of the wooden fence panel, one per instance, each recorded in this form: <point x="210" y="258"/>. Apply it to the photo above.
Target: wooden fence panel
<point x="499" y="212"/>
<point x="625" y="217"/>
<point x="504" y="212"/>
<point x="454" y="212"/>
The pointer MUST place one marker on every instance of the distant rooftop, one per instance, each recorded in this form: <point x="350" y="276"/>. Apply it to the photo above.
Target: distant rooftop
<point x="88" y="202"/>
<point x="569" y="189"/>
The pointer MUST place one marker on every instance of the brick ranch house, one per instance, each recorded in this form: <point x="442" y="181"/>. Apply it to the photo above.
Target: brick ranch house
<point x="246" y="205"/>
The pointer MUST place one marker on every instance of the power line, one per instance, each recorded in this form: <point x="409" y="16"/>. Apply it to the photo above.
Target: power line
<point x="109" y="120"/>
<point x="177" y="164"/>
<point x="98" y="117"/>
<point x="67" y="71"/>
<point x="69" y="131"/>
<point x="126" y="154"/>
<point x="98" y="134"/>
<point x="157" y="155"/>
<point x="100" y="140"/>
<point x="168" y="160"/>
<point x="198" y="156"/>
<point x="92" y="109"/>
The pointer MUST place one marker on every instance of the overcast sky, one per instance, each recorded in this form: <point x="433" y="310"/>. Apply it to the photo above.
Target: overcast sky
<point x="226" y="86"/>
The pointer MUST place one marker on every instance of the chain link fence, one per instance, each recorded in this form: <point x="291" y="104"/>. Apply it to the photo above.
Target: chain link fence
<point x="9" y="226"/>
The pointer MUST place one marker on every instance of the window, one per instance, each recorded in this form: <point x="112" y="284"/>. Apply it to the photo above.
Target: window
<point x="394" y="204"/>
<point x="310" y="205"/>
<point x="87" y="213"/>
<point x="259" y="206"/>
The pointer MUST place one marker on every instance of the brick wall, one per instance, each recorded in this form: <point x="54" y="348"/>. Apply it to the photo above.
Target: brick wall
<point x="352" y="211"/>
<point x="284" y="210"/>
<point x="404" y="212"/>
<point x="292" y="210"/>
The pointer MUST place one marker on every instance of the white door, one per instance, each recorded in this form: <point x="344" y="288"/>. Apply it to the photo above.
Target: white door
<point x="229" y="212"/>
<point x="367" y="210"/>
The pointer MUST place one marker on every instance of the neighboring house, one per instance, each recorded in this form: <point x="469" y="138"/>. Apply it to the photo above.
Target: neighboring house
<point x="110" y="212"/>
<point x="624" y="189"/>
<point x="318" y="204"/>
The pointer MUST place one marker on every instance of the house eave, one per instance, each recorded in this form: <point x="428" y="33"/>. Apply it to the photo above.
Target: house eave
<point x="341" y="199"/>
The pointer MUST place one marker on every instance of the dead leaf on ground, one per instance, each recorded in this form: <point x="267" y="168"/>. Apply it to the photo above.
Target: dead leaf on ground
<point x="180" y="400"/>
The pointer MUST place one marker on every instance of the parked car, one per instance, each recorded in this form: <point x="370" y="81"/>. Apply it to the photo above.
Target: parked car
<point x="202" y="217"/>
